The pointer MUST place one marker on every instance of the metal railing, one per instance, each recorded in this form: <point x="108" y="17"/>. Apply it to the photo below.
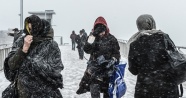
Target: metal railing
<point x="59" y="40"/>
<point x="123" y="47"/>
<point x="4" y="50"/>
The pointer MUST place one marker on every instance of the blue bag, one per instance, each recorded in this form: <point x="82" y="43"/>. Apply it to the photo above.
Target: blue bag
<point x="117" y="86"/>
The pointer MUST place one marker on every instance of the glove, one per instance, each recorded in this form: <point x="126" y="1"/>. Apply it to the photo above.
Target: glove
<point x="101" y="60"/>
<point x="111" y="62"/>
<point x="91" y="39"/>
<point x="98" y="29"/>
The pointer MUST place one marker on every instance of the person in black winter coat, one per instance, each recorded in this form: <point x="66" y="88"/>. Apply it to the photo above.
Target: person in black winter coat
<point x="84" y="33"/>
<point x="73" y="39"/>
<point x="35" y="62"/>
<point x="80" y="40"/>
<point x="149" y="60"/>
<point x="17" y="33"/>
<point x="104" y="53"/>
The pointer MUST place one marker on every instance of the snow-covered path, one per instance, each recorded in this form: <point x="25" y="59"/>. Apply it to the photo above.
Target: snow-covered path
<point x="73" y="72"/>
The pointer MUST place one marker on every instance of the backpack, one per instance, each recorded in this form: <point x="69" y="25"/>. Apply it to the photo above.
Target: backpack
<point x="117" y="86"/>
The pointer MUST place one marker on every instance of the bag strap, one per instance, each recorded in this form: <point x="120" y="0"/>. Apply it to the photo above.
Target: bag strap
<point x="119" y="73"/>
<point x="181" y="90"/>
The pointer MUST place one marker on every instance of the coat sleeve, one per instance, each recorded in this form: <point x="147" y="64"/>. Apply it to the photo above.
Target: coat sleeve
<point x="115" y="49"/>
<point x="77" y="39"/>
<point x="14" y="60"/>
<point x="89" y="48"/>
<point x="132" y="60"/>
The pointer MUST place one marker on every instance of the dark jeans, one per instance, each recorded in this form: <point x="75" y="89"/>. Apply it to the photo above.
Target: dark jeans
<point x="73" y="45"/>
<point x="81" y="52"/>
<point x="95" y="91"/>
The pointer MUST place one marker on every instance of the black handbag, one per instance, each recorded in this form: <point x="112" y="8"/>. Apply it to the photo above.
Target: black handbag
<point x="11" y="91"/>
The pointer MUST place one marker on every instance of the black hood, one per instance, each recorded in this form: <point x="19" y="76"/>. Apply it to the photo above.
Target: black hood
<point x="46" y="32"/>
<point x="37" y="25"/>
<point x="46" y="28"/>
<point x="145" y="22"/>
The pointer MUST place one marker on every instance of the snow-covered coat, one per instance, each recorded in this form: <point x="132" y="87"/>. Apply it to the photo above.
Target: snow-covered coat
<point x="80" y="40"/>
<point x="108" y="47"/>
<point x="39" y="70"/>
<point x="148" y="59"/>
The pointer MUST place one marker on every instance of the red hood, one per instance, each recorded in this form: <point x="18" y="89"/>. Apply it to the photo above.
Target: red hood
<point x="101" y="20"/>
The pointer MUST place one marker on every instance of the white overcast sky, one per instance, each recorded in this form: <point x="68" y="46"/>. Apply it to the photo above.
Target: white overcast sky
<point x="121" y="15"/>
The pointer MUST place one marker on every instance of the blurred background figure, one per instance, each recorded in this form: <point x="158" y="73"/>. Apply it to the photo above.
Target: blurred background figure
<point x="84" y="33"/>
<point x="73" y="39"/>
<point x="16" y="33"/>
<point x="80" y="40"/>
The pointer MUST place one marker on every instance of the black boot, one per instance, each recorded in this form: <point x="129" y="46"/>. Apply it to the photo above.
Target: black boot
<point x="95" y="90"/>
<point x="105" y="95"/>
<point x="81" y="91"/>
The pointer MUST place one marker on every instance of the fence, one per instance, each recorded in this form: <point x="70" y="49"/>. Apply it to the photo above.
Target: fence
<point x="59" y="40"/>
<point x="4" y="50"/>
<point x="123" y="47"/>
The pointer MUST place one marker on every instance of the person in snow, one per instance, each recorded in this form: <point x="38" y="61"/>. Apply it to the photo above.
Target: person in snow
<point x="84" y="33"/>
<point x="149" y="60"/>
<point x="16" y="36"/>
<point x="104" y="53"/>
<point x="17" y="33"/>
<point x="80" y="40"/>
<point x="73" y="39"/>
<point x="35" y="62"/>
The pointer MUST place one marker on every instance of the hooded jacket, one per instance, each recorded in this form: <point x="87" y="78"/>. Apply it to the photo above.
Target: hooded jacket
<point x="106" y="46"/>
<point x="101" y="20"/>
<point x="149" y="60"/>
<point x="38" y="71"/>
<point x="144" y="22"/>
<point x="80" y="40"/>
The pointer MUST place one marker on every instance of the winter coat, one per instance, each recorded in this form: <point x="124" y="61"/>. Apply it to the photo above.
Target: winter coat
<point x="17" y="35"/>
<point x="84" y="33"/>
<point x="80" y="40"/>
<point x="106" y="46"/>
<point x="148" y="59"/>
<point x="73" y="37"/>
<point x="39" y="70"/>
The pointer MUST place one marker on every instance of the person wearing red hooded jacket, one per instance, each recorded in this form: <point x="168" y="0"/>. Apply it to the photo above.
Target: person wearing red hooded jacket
<point x="104" y="53"/>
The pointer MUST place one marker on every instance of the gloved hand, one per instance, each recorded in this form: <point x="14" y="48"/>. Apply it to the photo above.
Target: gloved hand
<point x="98" y="29"/>
<point x="111" y="62"/>
<point x="101" y="60"/>
<point x="91" y="39"/>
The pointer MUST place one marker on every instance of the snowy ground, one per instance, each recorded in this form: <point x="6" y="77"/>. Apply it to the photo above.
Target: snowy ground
<point x="73" y="72"/>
